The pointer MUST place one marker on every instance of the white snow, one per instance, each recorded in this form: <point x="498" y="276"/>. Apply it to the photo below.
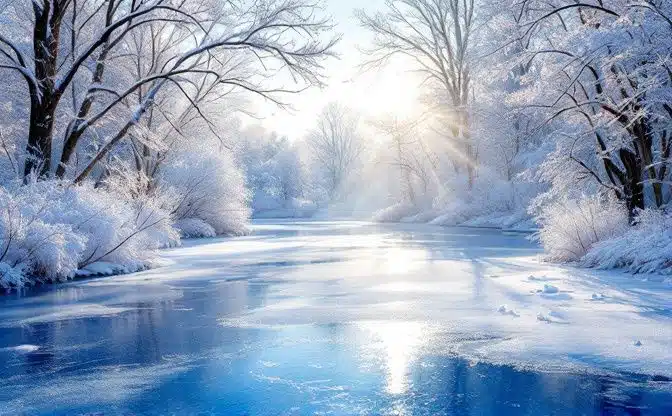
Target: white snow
<point x="51" y="229"/>
<point x="504" y="310"/>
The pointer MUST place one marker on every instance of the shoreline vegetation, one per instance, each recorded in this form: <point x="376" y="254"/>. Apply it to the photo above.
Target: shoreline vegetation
<point x="126" y="125"/>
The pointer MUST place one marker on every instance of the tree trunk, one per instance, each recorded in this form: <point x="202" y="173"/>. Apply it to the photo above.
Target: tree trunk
<point x="633" y="188"/>
<point x="73" y="132"/>
<point x="44" y="99"/>
<point x="40" y="134"/>
<point x="468" y="146"/>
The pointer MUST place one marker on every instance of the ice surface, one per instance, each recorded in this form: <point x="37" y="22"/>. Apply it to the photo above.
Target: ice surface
<point x="80" y="310"/>
<point x="326" y="292"/>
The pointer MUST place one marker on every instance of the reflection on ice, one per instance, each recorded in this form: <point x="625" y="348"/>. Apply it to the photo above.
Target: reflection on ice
<point x="400" y="260"/>
<point x="397" y="343"/>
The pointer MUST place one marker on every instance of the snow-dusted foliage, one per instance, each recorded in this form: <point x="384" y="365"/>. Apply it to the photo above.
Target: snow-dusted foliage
<point x="206" y="185"/>
<point x="276" y="175"/>
<point x="92" y="67"/>
<point x="395" y="213"/>
<point x="336" y="147"/>
<point x="51" y="229"/>
<point x="567" y="120"/>
<point x="594" y="232"/>
<point x="646" y="247"/>
<point x="121" y="128"/>
<point x="118" y="120"/>
<point x="194" y="228"/>
<point x="602" y="79"/>
<point x="571" y="227"/>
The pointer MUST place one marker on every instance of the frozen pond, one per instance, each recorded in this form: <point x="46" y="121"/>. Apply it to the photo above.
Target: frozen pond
<point x="343" y="318"/>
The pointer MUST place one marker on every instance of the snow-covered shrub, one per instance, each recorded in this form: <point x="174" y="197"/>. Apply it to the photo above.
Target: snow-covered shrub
<point x="570" y="228"/>
<point x="395" y="213"/>
<point x="453" y="213"/>
<point x="32" y="242"/>
<point x="491" y="201"/>
<point x="11" y="276"/>
<point x="421" y="217"/>
<point x="50" y="229"/>
<point x="646" y="247"/>
<point x="206" y="185"/>
<point x="492" y="194"/>
<point x="275" y="175"/>
<point x="194" y="228"/>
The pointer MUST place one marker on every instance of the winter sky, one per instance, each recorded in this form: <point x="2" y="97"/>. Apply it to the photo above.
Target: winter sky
<point x="372" y="93"/>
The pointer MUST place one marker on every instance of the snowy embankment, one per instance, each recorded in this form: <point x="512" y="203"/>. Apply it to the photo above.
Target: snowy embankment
<point x="54" y="231"/>
<point x="488" y="203"/>
<point x="457" y="215"/>
<point x="594" y="232"/>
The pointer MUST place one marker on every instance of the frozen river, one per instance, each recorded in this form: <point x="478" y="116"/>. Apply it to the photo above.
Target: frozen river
<point x="343" y="318"/>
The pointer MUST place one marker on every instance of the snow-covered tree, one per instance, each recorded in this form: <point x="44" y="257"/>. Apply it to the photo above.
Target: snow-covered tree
<point x="66" y="49"/>
<point x="275" y="171"/>
<point x="437" y="36"/>
<point x="336" y="148"/>
<point x="602" y="77"/>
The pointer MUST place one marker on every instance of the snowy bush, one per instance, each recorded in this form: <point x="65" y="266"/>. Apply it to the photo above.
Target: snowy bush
<point x="421" y="217"/>
<point x="275" y="175"/>
<point x="206" y="185"/>
<point x="453" y="213"/>
<point x="51" y="229"/>
<point x="11" y="276"/>
<point x="151" y="224"/>
<point x="490" y="202"/>
<point x="395" y="213"/>
<point x="646" y="247"/>
<point x="570" y="228"/>
<point x="194" y="228"/>
<point x="32" y="242"/>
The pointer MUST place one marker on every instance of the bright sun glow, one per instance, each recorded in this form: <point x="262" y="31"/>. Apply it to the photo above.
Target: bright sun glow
<point x="399" y="343"/>
<point x="399" y="260"/>
<point x="374" y="95"/>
